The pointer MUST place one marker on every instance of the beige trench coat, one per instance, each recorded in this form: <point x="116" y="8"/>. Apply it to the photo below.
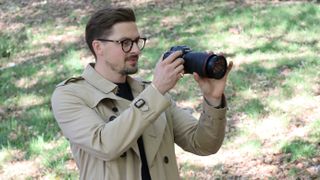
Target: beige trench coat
<point x="103" y="128"/>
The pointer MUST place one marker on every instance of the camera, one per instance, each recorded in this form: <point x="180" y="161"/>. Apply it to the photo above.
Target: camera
<point x="205" y="64"/>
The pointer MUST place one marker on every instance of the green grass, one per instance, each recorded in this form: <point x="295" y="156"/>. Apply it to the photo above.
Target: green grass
<point x="53" y="157"/>
<point x="12" y="43"/>
<point x="299" y="149"/>
<point x="293" y="172"/>
<point x="188" y="169"/>
<point x="315" y="131"/>
<point x="275" y="49"/>
<point x="252" y="146"/>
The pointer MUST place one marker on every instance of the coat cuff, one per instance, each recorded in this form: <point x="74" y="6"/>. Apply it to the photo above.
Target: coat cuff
<point x="217" y="112"/>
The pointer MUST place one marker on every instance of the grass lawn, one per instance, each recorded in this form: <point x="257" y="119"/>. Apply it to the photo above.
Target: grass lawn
<point x="273" y="90"/>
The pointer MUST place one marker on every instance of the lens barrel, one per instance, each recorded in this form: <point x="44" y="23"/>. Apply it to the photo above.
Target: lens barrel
<point x="205" y="64"/>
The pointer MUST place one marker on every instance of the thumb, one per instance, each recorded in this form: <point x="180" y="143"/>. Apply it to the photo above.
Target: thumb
<point x="230" y="65"/>
<point x="160" y="59"/>
<point x="196" y="77"/>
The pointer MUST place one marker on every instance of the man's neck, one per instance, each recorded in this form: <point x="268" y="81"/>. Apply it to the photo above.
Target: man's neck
<point x="109" y="74"/>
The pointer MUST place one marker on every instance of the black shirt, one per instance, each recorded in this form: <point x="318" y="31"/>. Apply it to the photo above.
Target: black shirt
<point x="125" y="92"/>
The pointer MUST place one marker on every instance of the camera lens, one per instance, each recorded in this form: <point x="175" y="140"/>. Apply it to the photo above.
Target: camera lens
<point x="216" y="67"/>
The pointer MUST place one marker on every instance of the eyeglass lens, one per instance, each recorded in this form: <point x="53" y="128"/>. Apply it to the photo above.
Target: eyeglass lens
<point x="128" y="43"/>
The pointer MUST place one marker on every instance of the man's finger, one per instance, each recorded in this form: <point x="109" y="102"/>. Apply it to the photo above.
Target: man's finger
<point x="196" y="77"/>
<point x="230" y="65"/>
<point x="161" y="59"/>
<point x="177" y="62"/>
<point x="209" y="52"/>
<point x="172" y="57"/>
<point x="179" y="69"/>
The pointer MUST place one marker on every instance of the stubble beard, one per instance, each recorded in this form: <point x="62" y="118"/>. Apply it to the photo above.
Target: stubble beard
<point x="129" y="69"/>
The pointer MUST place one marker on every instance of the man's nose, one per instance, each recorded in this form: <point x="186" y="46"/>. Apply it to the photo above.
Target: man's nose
<point x="135" y="48"/>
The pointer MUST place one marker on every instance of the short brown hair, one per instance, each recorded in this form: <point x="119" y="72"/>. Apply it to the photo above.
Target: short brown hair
<point x="101" y="22"/>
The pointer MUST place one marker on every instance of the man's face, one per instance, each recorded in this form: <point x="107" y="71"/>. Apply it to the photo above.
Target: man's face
<point x="115" y="59"/>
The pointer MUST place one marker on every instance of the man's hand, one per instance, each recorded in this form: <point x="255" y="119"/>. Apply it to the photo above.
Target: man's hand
<point x="168" y="72"/>
<point x="213" y="89"/>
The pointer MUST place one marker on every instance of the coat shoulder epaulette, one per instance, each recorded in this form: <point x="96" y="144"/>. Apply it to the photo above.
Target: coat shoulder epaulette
<point x="143" y="82"/>
<point x="146" y="82"/>
<point x="70" y="80"/>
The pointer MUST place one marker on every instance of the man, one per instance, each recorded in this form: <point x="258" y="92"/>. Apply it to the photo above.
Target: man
<point x="123" y="128"/>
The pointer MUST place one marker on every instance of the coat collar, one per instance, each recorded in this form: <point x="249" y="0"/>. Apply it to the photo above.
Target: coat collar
<point x="106" y="86"/>
<point x="97" y="81"/>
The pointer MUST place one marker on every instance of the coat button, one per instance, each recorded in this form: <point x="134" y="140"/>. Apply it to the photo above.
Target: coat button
<point x="166" y="159"/>
<point x="115" y="109"/>
<point x="112" y="118"/>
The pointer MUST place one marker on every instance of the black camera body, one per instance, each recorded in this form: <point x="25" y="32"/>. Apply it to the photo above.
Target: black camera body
<point x="205" y="64"/>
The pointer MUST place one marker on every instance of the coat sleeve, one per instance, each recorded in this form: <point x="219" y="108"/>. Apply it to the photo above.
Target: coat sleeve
<point x="203" y="136"/>
<point x="82" y="126"/>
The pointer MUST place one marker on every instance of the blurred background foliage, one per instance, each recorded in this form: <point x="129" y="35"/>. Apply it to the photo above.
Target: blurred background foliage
<point x="273" y="91"/>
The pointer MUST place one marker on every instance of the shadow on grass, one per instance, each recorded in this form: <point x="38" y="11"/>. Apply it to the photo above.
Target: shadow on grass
<point x="38" y="13"/>
<point x="26" y="121"/>
<point x="11" y="43"/>
<point x="253" y="84"/>
<point x="31" y="68"/>
<point x="220" y="171"/>
<point x="24" y="124"/>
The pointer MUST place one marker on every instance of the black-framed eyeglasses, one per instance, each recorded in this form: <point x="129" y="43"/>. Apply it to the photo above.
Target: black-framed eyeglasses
<point x="127" y="44"/>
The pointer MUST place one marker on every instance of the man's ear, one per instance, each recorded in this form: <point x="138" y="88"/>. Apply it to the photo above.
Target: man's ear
<point x="96" y="45"/>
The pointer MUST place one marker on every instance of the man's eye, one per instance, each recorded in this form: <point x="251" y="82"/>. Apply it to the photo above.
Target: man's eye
<point x="126" y="43"/>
